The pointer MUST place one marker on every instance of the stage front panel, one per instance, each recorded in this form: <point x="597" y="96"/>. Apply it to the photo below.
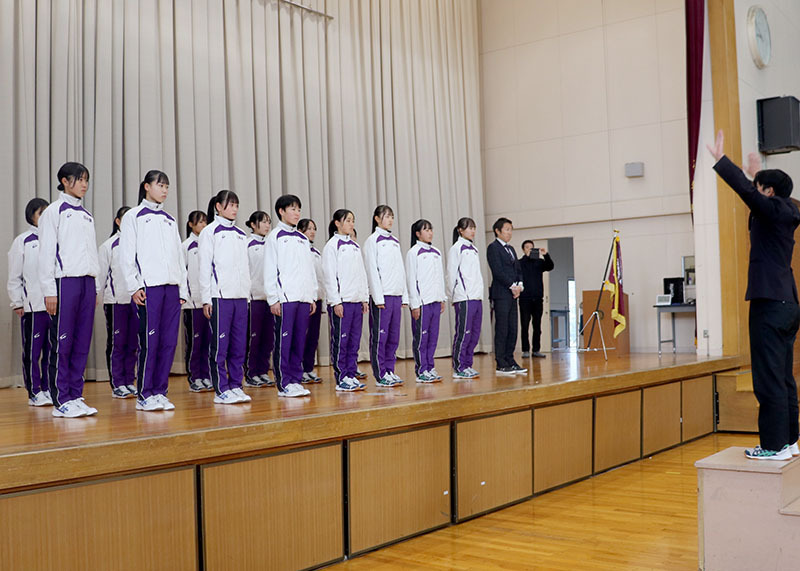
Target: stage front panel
<point x="661" y="417"/>
<point x="136" y="522"/>
<point x="276" y="512"/>
<point x="617" y="429"/>
<point x="399" y="485"/>
<point x="697" y="407"/>
<point x="562" y="444"/>
<point x="494" y="462"/>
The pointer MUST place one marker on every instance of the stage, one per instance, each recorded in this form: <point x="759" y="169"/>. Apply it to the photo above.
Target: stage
<point x="610" y="412"/>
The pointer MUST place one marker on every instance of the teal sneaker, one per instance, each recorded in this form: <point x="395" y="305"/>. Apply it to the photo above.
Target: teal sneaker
<point x="386" y="381"/>
<point x="759" y="453"/>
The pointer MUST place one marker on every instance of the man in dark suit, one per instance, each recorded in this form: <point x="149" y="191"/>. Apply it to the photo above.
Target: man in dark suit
<point x="771" y="290"/>
<point x="503" y="293"/>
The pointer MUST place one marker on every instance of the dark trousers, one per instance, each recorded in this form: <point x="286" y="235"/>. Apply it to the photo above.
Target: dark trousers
<point x="531" y="310"/>
<point x="505" y="330"/>
<point x="773" y="327"/>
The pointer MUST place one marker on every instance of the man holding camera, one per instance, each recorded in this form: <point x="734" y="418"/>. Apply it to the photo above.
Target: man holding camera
<point x="534" y="262"/>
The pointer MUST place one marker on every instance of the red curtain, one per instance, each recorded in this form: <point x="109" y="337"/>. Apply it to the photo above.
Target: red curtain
<point x="695" y="24"/>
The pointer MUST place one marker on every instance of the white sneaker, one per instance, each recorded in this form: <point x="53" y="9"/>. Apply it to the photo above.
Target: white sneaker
<point x="243" y="396"/>
<point x="227" y="397"/>
<point x="473" y="372"/>
<point x="40" y="399"/>
<point x="435" y="374"/>
<point x="132" y="389"/>
<point x="794" y="449"/>
<point x="120" y="392"/>
<point x="265" y="378"/>
<point x="347" y="385"/>
<point x="294" y="390"/>
<point x="149" y="404"/>
<point x="396" y="378"/>
<point x="69" y="409"/>
<point x="425" y="377"/>
<point x="208" y="384"/>
<point x="165" y="402"/>
<point x="88" y="409"/>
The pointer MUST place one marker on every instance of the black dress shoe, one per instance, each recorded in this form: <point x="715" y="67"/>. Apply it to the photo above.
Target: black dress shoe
<point x="505" y="371"/>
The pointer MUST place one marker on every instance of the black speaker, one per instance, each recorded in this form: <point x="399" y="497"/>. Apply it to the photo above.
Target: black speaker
<point x="778" y="125"/>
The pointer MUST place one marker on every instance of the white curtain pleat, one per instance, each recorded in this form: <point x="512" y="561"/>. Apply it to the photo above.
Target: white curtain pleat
<point x="377" y="105"/>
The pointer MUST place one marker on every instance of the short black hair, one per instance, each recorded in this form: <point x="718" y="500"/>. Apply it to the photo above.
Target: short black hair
<point x="526" y="242"/>
<point x="285" y="201"/>
<point x="499" y="223"/>
<point x="779" y="181"/>
<point x="35" y="205"/>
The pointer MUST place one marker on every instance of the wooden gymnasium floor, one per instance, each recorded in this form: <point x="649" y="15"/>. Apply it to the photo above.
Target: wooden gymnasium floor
<point x="640" y="516"/>
<point x="37" y="449"/>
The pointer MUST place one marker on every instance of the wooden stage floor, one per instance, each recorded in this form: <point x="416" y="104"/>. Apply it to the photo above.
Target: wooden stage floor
<point x="37" y="449"/>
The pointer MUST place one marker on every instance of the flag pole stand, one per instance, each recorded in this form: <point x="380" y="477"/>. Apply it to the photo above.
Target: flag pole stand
<point x="594" y="318"/>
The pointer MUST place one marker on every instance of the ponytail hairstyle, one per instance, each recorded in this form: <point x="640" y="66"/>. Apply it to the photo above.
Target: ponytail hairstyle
<point x="462" y="224"/>
<point x="339" y="217"/>
<point x="120" y="213"/>
<point x="305" y="223"/>
<point x="71" y="172"/>
<point x="195" y="216"/>
<point x="223" y="198"/>
<point x="420" y="224"/>
<point x="152" y="177"/>
<point x="256" y="218"/>
<point x="34" y="205"/>
<point x="379" y="213"/>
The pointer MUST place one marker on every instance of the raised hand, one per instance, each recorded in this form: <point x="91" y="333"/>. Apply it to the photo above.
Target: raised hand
<point x="717" y="150"/>
<point x="753" y="165"/>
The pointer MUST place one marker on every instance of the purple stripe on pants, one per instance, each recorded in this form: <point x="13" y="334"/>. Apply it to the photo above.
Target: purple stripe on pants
<point x="35" y="351"/>
<point x="122" y="342"/>
<point x="312" y="338"/>
<point x="345" y="339"/>
<point x="228" y="343"/>
<point x="159" y="321"/>
<point x="261" y="337"/>
<point x="70" y="337"/>
<point x="197" y="337"/>
<point x="290" y="336"/>
<point x="384" y="334"/>
<point x="425" y="331"/>
<point x="469" y="315"/>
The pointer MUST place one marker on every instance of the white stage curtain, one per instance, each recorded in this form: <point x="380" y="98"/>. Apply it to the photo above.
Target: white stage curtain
<point x="377" y="105"/>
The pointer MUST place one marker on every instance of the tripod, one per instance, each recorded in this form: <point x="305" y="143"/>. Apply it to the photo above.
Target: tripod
<point x="594" y="318"/>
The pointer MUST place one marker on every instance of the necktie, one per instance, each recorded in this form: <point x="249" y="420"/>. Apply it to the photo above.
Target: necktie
<point x="509" y="250"/>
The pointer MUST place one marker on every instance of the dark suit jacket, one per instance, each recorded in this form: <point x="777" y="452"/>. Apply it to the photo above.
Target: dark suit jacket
<point x="505" y="270"/>
<point x="773" y="221"/>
